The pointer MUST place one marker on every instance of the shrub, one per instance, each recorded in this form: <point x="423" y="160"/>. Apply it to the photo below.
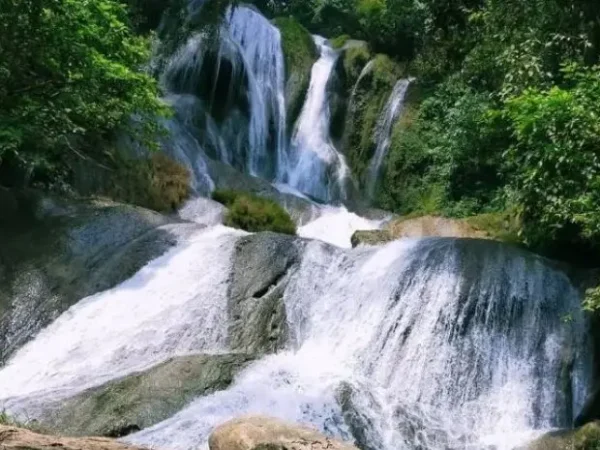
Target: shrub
<point x="254" y="214"/>
<point x="157" y="182"/>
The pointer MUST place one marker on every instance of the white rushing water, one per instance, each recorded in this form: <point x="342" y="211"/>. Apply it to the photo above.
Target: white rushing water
<point x="432" y="343"/>
<point x="435" y="344"/>
<point x="316" y="167"/>
<point x="156" y="314"/>
<point x="336" y="225"/>
<point x="260" y="43"/>
<point x="383" y="134"/>
<point x="249" y="60"/>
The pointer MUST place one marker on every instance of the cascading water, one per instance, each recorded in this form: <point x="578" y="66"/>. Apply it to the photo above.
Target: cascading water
<point x="383" y="134"/>
<point x="261" y="47"/>
<point x="241" y="85"/>
<point x="316" y="167"/>
<point x="172" y="306"/>
<point x="421" y="344"/>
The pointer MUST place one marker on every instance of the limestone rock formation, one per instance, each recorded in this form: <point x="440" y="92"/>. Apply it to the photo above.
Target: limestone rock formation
<point x="261" y="433"/>
<point x="261" y="269"/>
<point x="12" y="438"/>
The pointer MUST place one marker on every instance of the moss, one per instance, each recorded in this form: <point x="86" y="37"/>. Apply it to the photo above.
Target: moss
<point x="156" y="182"/>
<point x="300" y="53"/>
<point x="355" y="59"/>
<point x="254" y="214"/>
<point x="585" y="438"/>
<point x="370" y="98"/>
<point x="339" y="41"/>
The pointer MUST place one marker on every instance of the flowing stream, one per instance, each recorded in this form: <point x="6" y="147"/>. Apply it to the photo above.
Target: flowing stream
<point x="419" y="344"/>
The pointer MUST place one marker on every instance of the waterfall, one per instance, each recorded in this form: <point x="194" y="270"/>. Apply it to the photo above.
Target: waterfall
<point x="420" y="344"/>
<point x="261" y="46"/>
<point x="316" y="167"/>
<point x="240" y="84"/>
<point x="172" y="306"/>
<point x="383" y="134"/>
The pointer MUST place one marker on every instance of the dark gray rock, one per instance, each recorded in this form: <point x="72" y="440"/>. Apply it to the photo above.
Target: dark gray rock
<point x="56" y="252"/>
<point x="141" y="400"/>
<point x="261" y="270"/>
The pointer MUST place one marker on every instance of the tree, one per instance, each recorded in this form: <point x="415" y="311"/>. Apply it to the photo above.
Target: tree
<point x="70" y="72"/>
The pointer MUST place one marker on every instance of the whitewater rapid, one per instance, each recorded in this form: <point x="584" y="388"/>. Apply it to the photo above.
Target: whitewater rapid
<point x="425" y="343"/>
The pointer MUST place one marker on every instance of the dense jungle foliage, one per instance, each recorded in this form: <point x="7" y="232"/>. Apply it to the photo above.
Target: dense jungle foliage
<point x="504" y="115"/>
<point x="506" y="111"/>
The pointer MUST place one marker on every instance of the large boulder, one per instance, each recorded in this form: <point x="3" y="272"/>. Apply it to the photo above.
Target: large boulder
<point x="141" y="400"/>
<point x="585" y="438"/>
<point x="500" y="227"/>
<point x="262" y="267"/>
<point x="13" y="438"/>
<point x="264" y="433"/>
<point x="55" y="252"/>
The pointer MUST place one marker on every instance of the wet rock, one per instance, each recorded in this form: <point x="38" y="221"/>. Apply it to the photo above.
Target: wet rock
<point x="12" y="438"/>
<point x="141" y="400"/>
<point x="359" y="424"/>
<point x="261" y="270"/>
<point x="55" y="252"/>
<point x="262" y="433"/>
<point x="585" y="438"/>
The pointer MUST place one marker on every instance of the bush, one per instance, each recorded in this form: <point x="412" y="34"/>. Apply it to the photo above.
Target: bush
<point x="158" y="183"/>
<point x="254" y="214"/>
<point x="556" y="157"/>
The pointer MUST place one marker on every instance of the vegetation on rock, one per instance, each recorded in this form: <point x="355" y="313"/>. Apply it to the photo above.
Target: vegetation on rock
<point x="585" y="438"/>
<point x="70" y="73"/>
<point x="254" y="214"/>
<point x="300" y="53"/>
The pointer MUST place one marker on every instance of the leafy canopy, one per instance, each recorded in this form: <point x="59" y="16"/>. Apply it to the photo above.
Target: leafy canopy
<point x="70" y="72"/>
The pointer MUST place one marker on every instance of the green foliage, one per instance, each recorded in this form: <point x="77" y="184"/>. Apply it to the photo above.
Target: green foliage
<point x="339" y="41"/>
<point x="591" y="302"/>
<point x="298" y="47"/>
<point x="254" y="214"/>
<point x="69" y="73"/>
<point x="556" y="157"/>
<point x="446" y="154"/>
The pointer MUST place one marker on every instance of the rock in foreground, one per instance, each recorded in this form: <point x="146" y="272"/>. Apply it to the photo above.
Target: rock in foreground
<point x="12" y="438"/>
<point x="260" y="433"/>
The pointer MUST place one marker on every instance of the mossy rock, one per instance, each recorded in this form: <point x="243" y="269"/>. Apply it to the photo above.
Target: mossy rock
<point x="584" y="438"/>
<point x="254" y="214"/>
<point x="370" y="97"/>
<point x="300" y="53"/>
